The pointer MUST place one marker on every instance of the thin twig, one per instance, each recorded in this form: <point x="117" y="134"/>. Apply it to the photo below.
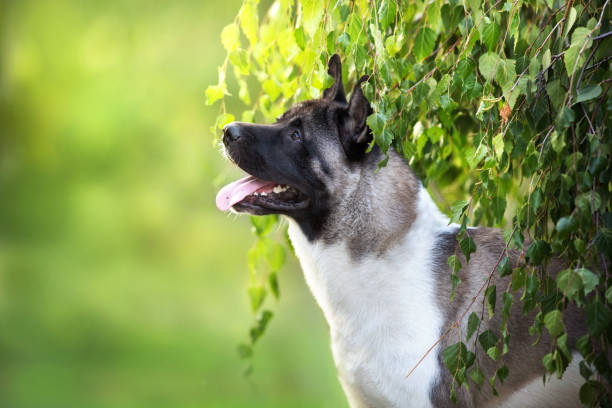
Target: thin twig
<point x="457" y="322"/>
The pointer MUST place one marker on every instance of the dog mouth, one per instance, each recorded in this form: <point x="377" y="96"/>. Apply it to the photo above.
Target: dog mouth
<point x="254" y="195"/>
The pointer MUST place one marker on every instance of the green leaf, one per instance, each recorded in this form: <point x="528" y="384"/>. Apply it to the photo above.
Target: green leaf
<point x="580" y="36"/>
<point x="506" y="74"/>
<point x="312" y="14"/>
<point x="248" y="116"/>
<point x="570" y="57"/>
<point x="490" y="35"/>
<point x="570" y="284"/>
<point x="562" y="345"/>
<point x="383" y="140"/>
<point x="557" y="140"/>
<point x="467" y="246"/>
<point x="518" y="278"/>
<point x="534" y="67"/>
<point x="536" y="198"/>
<point x="272" y="89"/>
<point x="257" y="294"/>
<point x="424" y="43"/>
<point x="531" y="284"/>
<point x="564" y="119"/>
<point x="263" y="224"/>
<point x="474" y="157"/>
<point x="587" y="93"/>
<point x="491" y="296"/>
<point x="275" y="256"/>
<point x="273" y="283"/>
<point x="230" y="37"/>
<point x="457" y="209"/>
<point x="546" y="58"/>
<point x="609" y="294"/>
<point x="455" y="281"/>
<point x="571" y="19"/>
<point x="591" y="392"/>
<point x="447" y="103"/>
<point x="477" y="376"/>
<point x="502" y="373"/>
<point x="597" y="165"/>
<point x="498" y="145"/>
<point x="451" y="16"/>
<point x="454" y="263"/>
<point x="300" y="37"/>
<point x="585" y="371"/>
<point x="214" y="93"/>
<point x="249" y="20"/>
<point x="240" y="60"/>
<point x="488" y="64"/>
<point x="603" y="240"/>
<point x="224" y="119"/>
<point x="507" y="300"/>
<point x="504" y="268"/>
<point x="493" y="353"/>
<point x="553" y="321"/>
<point x="566" y="225"/>
<point x="581" y="41"/>
<point x="387" y="13"/>
<point x="549" y="362"/>
<point x="377" y="122"/>
<point x="473" y="322"/>
<point x="537" y="251"/>
<point x="589" y="279"/>
<point x="499" y="207"/>
<point x="433" y="14"/>
<point x="355" y="31"/>
<point x="598" y="317"/>
<point x="455" y="356"/>
<point x="465" y="68"/>
<point x="260" y="325"/>
<point x="487" y="339"/>
<point x="584" y="345"/>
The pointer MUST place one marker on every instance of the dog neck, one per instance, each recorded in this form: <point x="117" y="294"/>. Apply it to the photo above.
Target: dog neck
<point x="371" y="274"/>
<point x="375" y="209"/>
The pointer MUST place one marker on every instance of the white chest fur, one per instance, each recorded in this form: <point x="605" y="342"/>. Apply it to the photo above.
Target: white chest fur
<point x="381" y="310"/>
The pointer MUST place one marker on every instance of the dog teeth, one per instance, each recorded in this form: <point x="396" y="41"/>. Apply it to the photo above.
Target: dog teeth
<point x="263" y="193"/>
<point x="279" y="189"/>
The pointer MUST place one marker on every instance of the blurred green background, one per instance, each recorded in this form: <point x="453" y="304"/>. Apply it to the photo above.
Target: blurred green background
<point x="121" y="285"/>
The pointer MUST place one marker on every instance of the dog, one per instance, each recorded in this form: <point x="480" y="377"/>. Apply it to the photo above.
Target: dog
<point x="373" y="247"/>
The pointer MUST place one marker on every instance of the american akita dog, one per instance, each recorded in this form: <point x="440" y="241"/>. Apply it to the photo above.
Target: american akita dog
<point x="374" y="249"/>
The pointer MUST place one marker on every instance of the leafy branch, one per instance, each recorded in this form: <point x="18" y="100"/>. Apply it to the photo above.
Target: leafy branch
<point x="503" y="102"/>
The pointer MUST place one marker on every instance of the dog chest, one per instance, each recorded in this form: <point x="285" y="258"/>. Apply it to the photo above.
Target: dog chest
<point x="382" y="314"/>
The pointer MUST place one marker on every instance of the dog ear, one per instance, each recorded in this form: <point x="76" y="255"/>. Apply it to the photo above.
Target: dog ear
<point x="336" y="91"/>
<point x="354" y="132"/>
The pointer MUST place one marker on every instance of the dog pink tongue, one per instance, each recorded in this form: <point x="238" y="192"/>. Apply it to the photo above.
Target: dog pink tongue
<point x="235" y="192"/>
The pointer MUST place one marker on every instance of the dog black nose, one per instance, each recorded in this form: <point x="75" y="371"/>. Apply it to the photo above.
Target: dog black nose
<point x="231" y="133"/>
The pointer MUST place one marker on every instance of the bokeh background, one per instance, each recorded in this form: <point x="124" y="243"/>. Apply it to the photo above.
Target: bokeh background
<point x="121" y="285"/>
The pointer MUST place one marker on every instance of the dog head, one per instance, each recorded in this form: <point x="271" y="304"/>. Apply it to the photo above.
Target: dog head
<point x="299" y="165"/>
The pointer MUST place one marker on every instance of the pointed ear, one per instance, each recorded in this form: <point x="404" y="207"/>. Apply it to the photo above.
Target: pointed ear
<point x="336" y="91"/>
<point x="354" y="132"/>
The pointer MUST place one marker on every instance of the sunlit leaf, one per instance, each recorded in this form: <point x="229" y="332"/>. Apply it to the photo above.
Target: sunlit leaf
<point x="424" y="43"/>
<point x="230" y="36"/>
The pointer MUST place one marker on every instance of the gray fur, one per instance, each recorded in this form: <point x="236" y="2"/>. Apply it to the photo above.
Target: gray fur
<point x="357" y="216"/>
<point x="524" y="359"/>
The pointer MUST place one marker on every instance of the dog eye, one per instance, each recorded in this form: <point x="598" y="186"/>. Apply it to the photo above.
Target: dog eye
<point x="296" y="136"/>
